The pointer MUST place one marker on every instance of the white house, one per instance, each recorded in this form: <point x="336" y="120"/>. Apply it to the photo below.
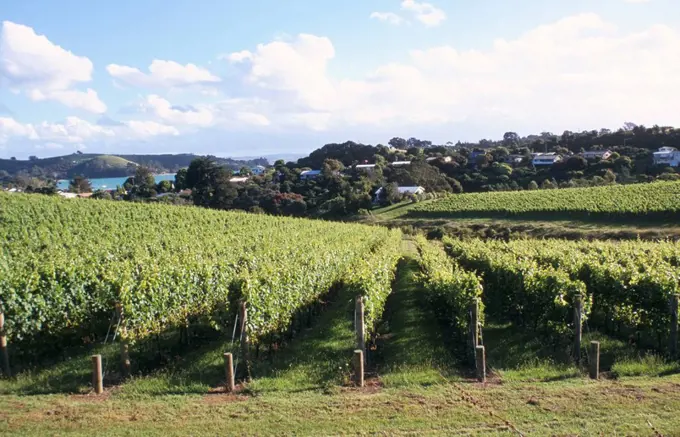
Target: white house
<point x="400" y="190"/>
<point x="258" y="170"/>
<point x="545" y="159"/>
<point x="367" y="167"/>
<point x="68" y="195"/>
<point x="239" y="180"/>
<point x="667" y="156"/>
<point x="434" y="158"/>
<point x="597" y="154"/>
<point x="513" y="159"/>
<point x="310" y="174"/>
<point x="400" y="163"/>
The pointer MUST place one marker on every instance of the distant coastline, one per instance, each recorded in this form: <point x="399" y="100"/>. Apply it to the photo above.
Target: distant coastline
<point x="112" y="183"/>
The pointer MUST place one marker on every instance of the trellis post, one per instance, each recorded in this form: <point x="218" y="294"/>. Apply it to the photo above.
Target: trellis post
<point x="3" y="347"/>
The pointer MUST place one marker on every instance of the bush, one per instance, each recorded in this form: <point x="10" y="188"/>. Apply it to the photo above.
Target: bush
<point x="436" y="233"/>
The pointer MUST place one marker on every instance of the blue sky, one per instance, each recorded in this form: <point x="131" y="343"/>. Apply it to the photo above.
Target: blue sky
<point x="239" y="78"/>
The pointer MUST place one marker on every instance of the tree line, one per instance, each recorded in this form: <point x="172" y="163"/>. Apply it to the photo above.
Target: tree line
<point x="341" y="188"/>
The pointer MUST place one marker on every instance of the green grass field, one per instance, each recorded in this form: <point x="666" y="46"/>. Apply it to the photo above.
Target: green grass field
<point x="398" y="215"/>
<point x="415" y="386"/>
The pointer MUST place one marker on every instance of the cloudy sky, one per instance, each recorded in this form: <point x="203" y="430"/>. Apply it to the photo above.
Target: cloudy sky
<point x="242" y="78"/>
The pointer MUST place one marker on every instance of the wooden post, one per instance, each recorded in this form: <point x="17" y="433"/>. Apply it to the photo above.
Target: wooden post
<point x="245" y="342"/>
<point x="594" y="359"/>
<point x="359" y="367"/>
<point x="578" y="325"/>
<point x="124" y="345"/>
<point x="3" y="347"/>
<point x="673" y="346"/>
<point x="229" y="370"/>
<point x="481" y="363"/>
<point x="360" y="326"/>
<point x="474" y="327"/>
<point x="97" y="379"/>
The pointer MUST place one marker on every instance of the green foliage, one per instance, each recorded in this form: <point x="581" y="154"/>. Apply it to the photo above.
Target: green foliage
<point x="80" y="184"/>
<point x="65" y="264"/>
<point x="657" y="200"/>
<point x="627" y="284"/>
<point x="449" y="287"/>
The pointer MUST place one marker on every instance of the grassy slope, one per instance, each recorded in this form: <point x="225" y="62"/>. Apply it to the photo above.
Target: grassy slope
<point x="398" y="215"/>
<point x="420" y="389"/>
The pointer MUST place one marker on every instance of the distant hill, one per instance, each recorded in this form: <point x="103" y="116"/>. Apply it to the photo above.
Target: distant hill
<point x="94" y="165"/>
<point x="104" y="166"/>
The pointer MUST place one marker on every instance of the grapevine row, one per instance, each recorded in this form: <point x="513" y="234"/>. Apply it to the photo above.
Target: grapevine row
<point x="64" y="265"/>
<point x="652" y="201"/>
<point x="628" y="284"/>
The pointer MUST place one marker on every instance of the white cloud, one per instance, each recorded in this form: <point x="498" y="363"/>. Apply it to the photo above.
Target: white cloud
<point x="31" y="63"/>
<point x="163" y="74"/>
<point x="297" y="67"/>
<point x="252" y="118"/>
<point x="566" y="73"/>
<point x="637" y="1"/>
<point x="172" y="115"/>
<point x="76" y="131"/>
<point x="238" y="56"/>
<point x="426" y="13"/>
<point x="10" y="128"/>
<point x="388" y="17"/>
<point x="145" y="129"/>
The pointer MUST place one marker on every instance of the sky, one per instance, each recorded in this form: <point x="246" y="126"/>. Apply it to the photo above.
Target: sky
<point x="256" y="77"/>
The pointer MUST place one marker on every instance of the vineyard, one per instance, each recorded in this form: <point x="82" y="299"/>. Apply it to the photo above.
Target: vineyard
<point x="652" y="201"/>
<point x="308" y="308"/>
<point x="65" y="266"/>
<point x="628" y="289"/>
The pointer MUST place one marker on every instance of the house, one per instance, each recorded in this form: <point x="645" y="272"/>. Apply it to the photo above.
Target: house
<point x="434" y="158"/>
<point x="513" y="159"/>
<point x="597" y="154"/>
<point x="310" y="174"/>
<point x="66" y="195"/>
<point x="238" y="180"/>
<point x="400" y="190"/>
<point x="367" y="167"/>
<point x="400" y="163"/>
<point x="258" y="170"/>
<point x="669" y="156"/>
<point x="543" y="159"/>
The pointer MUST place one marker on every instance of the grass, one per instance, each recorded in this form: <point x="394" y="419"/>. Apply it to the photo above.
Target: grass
<point x="413" y="352"/>
<point x="419" y="388"/>
<point x="397" y="215"/>
<point x="515" y="354"/>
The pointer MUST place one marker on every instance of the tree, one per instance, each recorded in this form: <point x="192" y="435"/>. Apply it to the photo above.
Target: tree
<point x="398" y="143"/>
<point x="102" y="195"/>
<point x="209" y="184"/>
<point x="532" y="186"/>
<point x="164" y="187"/>
<point x="511" y="139"/>
<point x="80" y="184"/>
<point x="32" y="158"/>
<point x="181" y="179"/>
<point x="245" y="171"/>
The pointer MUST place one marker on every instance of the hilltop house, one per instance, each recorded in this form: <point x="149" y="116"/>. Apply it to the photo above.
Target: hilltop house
<point x="401" y="190"/>
<point x="434" y="158"/>
<point x="542" y="159"/>
<point x="513" y="159"/>
<point x="239" y="180"/>
<point x="367" y="167"/>
<point x="400" y="163"/>
<point x="310" y="174"/>
<point x="597" y="154"/>
<point x="667" y="156"/>
<point x="257" y="170"/>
